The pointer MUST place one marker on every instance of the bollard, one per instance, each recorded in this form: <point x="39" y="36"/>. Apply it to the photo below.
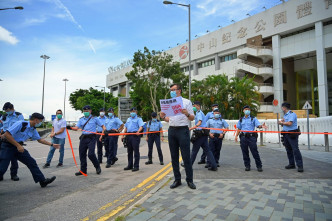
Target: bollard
<point x="261" y="139"/>
<point x="326" y="139"/>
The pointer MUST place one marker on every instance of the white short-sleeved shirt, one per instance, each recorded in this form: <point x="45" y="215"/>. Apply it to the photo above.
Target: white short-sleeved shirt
<point x="58" y="124"/>
<point x="182" y="120"/>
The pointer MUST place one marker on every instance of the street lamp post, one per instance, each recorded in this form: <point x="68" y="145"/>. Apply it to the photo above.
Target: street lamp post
<point x="18" y="7"/>
<point x="188" y="6"/>
<point x="45" y="57"/>
<point x="64" y="102"/>
<point x="104" y="93"/>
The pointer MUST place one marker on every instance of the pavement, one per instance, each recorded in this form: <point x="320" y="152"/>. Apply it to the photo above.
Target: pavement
<point x="233" y="194"/>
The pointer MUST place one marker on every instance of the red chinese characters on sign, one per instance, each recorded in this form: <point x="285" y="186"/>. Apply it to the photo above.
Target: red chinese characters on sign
<point x="177" y="109"/>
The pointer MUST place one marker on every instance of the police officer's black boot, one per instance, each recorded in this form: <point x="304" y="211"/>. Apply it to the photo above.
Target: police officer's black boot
<point x="148" y="162"/>
<point x="1" y="178"/>
<point x="289" y="167"/>
<point x="15" y="178"/>
<point x="47" y="181"/>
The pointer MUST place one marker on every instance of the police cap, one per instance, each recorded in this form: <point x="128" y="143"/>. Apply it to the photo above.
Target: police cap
<point x="37" y="116"/>
<point x="133" y="109"/>
<point x="246" y="106"/>
<point x="287" y="105"/>
<point x="110" y="109"/>
<point x="214" y="105"/>
<point x="8" y="105"/>
<point x="216" y="110"/>
<point x="153" y="114"/>
<point x="102" y="109"/>
<point x="87" y="107"/>
<point x="198" y="103"/>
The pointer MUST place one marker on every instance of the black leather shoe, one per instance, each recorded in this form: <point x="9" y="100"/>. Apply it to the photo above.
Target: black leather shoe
<point x="213" y="169"/>
<point x="191" y="185"/>
<point x="161" y="163"/>
<point x="176" y="184"/>
<point x="135" y="169"/>
<point x="207" y="165"/>
<point x="260" y="169"/>
<point x="247" y="169"/>
<point x="182" y="164"/>
<point x="15" y="178"/>
<point x="100" y="162"/>
<point x="59" y="165"/>
<point x="47" y="181"/>
<point x="201" y="162"/>
<point x="300" y="170"/>
<point x="78" y="174"/>
<point x="1" y="178"/>
<point x="115" y="159"/>
<point x="290" y="167"/>
<point x="128" y="168"/>
<point x="112" y="162"/>
<point x="108" y="165"/>
<point x="46" y="165"/>
<point x="218" y="165"/>
<point x="98" y="170"/>
<point x="148" y="162"/>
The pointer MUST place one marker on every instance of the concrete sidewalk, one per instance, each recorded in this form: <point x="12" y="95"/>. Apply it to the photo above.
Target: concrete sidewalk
<point x="233" y="194"/>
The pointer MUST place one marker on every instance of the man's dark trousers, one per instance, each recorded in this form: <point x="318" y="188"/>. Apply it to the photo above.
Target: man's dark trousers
<point x="100" y="148"/>
<point x="13" y="165"/>
<point x="179" y="139"/>
<point x="112" y="148"/>
<point x="155" y="138"/>
<point x="291" y="143"/>
<point x="88" y="144"/>
<point x="247" y="143"/>
<point x="203" y="142"/>
<point x="133" y="149"/>
<point x="215" y="144"/>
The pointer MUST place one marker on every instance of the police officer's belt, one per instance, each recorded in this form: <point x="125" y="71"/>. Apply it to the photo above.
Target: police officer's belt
<point x="87" y="136"/>
<point x="248" y="134"/>
<point x="6" y="141"/>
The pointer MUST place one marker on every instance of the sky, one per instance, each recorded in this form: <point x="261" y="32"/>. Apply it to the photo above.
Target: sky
<point x="83" y="38"/>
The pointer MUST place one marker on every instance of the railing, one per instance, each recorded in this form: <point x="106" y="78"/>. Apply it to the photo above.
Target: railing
<point x="257" y="65"/>
<point x="265" y="84"/>
<point x="258" y="47"/>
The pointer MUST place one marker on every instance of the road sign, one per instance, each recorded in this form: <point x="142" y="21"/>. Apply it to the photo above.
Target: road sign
<point x="53" y="117"/>
<point x="275" y="102"/>
<point x="306" y="106"/>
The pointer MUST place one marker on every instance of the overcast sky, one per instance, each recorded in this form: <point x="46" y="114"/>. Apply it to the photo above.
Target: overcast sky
<point x="83" y="38"/>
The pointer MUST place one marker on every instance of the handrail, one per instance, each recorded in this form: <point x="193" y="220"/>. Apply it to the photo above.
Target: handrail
<point x="265" y="84"/>
<point x="259" y="47"/>
<point x="257" y="65"/>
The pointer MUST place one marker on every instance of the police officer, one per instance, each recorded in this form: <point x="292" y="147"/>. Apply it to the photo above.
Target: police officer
<point x="154" y="125"/>
<point x="12" y="147"/>
<point x="8" y="119"/>
<point x="179" y="138"/>
<point x="113" y="125"/>
<point x="58" y="136"/>
<point x="88" y="124"/>
<point x="134" y="124"/>
<point x="216" y="136"/>
<point x="208" y="116"/>
<point x="291" y="140"/>
<point x="248" y="140"/>
<point x="102" y="119"/>
<point x="201" y="139"/>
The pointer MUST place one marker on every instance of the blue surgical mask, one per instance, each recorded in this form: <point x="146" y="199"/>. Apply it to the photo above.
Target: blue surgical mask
<point x="133" y="114"/>
<point x="217" y="116"/>
<point x="173" y="94"/>
<point x="247" y="112"/>
<point x="110" y="114"/>
<point x="39" y="124"/>
<point x="102" y="114"/>
<point x="10" y="112"/>
<point x="154" y="119"/>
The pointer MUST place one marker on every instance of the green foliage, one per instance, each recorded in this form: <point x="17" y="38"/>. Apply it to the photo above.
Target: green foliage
<point x="231" y="95"/>
<point x="152" y="74"/>
<point x="93" y="97"/>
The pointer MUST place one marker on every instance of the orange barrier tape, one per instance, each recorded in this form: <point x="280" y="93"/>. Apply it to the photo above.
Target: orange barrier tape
<point x="72" y="150"/>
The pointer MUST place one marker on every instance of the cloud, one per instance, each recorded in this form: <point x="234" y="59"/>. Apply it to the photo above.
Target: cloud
<point x="68" y="13"/>
<point x="34" y="21"/>
<point x="7" y="36"/>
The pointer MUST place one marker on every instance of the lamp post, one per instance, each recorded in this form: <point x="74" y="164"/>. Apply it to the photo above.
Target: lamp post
<point x="17" y="7"/>
<point x="45" y="57"/>
<point x="188" y="6"/>
<point x="104" y="93"/>
<point x="64" y="102"/>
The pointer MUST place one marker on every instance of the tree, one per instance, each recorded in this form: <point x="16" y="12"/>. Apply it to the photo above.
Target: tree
<point x="152" y="74"/>
<point x="93" y="97"/>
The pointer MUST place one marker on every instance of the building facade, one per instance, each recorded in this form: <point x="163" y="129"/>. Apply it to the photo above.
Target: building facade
<point x="287" y="49"/>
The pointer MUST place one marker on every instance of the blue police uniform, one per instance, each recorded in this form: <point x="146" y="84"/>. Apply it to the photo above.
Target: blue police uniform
<point x="248" y="140"/>
<point x="112" y="124"/>
<point x="132" y="125"/>
<point x="88" y="141"/>
<point x="21" y="131"/>
<point x="99" y="143"/>
<point x="208" y="116"/>
<point x="291" y="140"/>
<point x="8" y="120"/>
<point x="202" y="141"/>
<point x="215" y="143"/>
<point x="154" y="138"/>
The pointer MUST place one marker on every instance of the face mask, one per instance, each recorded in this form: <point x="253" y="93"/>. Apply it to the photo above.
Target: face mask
<point x="9" y="112"/>
<point x="59" y="116"/>
<point x="247" y="112"/>
<point x="110" y="114"/>
<point x="154" y="119"/>
<point x="39" y="124"/>
<point x="86" y="114"/>
<point x="195" y="109"/>
<point x="133" y="114"/>
<point x="173" y="94"/>
<point x="102" y="114"/>
<point x="215" y="108"/>
<point x="217" y="116"/>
